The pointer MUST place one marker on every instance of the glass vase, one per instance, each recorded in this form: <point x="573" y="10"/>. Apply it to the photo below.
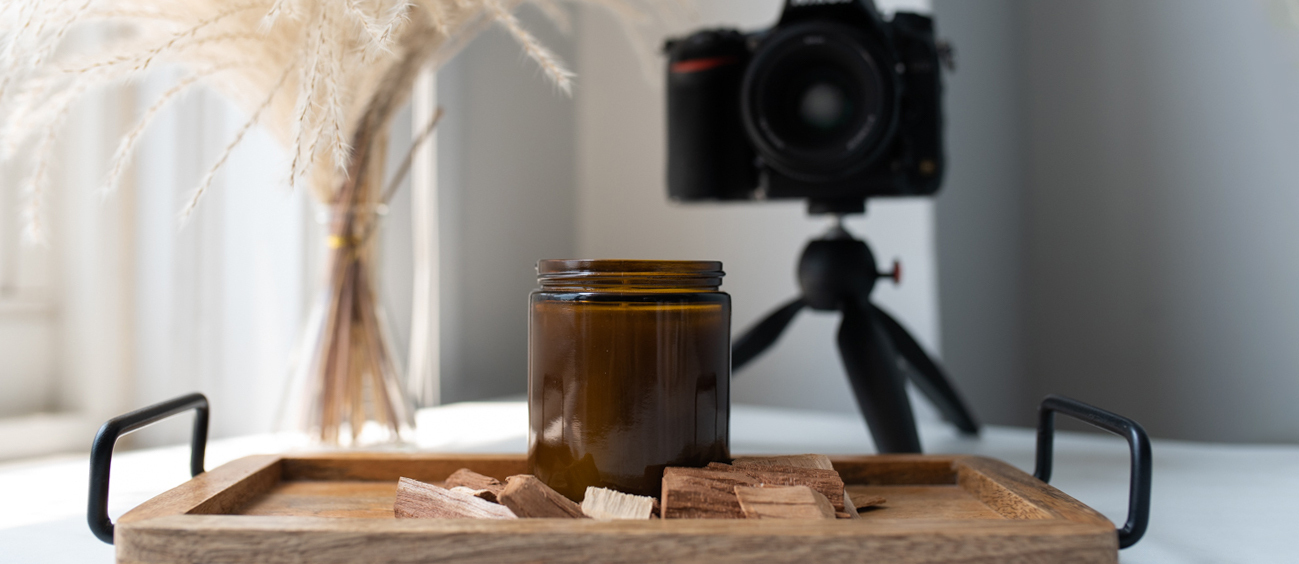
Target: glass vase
<point x="347" y="382"/>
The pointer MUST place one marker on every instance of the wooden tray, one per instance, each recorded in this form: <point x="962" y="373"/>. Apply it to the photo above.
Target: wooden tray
<point x="338" y="508"/>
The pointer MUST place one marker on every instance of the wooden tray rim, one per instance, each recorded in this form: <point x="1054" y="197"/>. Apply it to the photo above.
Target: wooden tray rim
<point x="215" y="493"/>
<point x="192" y="521"/>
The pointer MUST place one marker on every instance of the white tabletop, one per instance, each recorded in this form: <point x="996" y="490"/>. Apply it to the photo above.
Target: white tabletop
<point x="1211" y="503"/>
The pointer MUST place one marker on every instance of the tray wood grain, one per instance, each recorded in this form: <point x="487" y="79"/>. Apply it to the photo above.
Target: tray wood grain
<point x="338" y="508"/>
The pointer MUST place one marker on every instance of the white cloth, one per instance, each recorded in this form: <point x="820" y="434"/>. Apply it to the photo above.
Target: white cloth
<point x="1212" y="502"/>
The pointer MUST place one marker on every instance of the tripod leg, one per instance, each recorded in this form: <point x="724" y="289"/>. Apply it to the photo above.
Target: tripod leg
<point x="876" y="380"/>
<point x="928" y="377"/>
<point x="761" y="336"/>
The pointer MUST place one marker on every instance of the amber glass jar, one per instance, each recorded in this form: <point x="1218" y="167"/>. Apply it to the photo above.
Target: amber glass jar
<point x="629" y="371"/>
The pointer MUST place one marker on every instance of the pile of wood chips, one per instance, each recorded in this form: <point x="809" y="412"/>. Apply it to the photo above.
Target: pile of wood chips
<point x="804" y="486"/>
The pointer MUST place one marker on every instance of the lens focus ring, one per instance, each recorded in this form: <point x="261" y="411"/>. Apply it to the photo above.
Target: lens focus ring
<point x="816" y="101"/>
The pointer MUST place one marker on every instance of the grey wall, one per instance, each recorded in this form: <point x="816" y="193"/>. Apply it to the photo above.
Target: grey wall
<point x="979" y="214"/>
<point x="1120" y="218"/>
<point x="1163" y="265"/>
<point x="506" y="188"/>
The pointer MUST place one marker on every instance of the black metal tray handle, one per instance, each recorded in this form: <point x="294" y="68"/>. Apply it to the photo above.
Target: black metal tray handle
<point x="1138" y="442"/>
<point x="101" y="452"/>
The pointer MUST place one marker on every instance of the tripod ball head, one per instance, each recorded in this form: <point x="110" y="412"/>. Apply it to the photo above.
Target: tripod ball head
<point x="833" y="271"/>
<point x="837" y="272"/>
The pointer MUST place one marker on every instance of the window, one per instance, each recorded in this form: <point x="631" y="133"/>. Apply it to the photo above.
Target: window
<point x="122" y="308"/>
<point x="28" y="313"/>
<point x="64" y="307"/>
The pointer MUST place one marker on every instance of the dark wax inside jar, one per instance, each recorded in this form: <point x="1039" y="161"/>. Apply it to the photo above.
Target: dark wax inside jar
<point x="623" y="385"/>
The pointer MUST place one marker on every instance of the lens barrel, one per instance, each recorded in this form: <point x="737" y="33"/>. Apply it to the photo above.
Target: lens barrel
<point x="819" y="100"/>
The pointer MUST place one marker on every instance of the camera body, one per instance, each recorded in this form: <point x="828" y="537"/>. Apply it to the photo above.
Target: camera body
<point x="833" y="104"/>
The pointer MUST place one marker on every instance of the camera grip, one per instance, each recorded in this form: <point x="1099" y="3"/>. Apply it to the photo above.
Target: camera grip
<point x="709" y="157"/>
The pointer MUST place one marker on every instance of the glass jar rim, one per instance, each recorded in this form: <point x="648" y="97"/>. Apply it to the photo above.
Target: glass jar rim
<point x="596" y="275"/>
<point x="628" y="267"/>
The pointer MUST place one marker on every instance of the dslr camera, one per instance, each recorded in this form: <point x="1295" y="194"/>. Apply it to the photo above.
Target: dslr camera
<point x="834" y="104"/>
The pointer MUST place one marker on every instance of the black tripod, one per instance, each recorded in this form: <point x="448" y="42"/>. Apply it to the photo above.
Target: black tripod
<point x="837" y="273"/>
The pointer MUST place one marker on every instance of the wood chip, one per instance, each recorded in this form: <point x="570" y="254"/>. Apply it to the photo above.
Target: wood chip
<point x="703" y="493"/>
<point x="783" y="502"/>
<point x="872" y="501"/>
<point x="467" y="478"/>
<point x="814" y="461"/>
<point x="485" y="495"/>
<point x="827" y="482"/>
<point x="606" y="505"/>
<point x="527" y="496"/>
<point x="420" y="500"/>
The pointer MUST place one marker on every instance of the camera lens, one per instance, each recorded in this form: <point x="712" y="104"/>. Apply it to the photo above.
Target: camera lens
<point x="824" y="106"/>
<point x="814" y="108"/>
<point x="815" y="102"/>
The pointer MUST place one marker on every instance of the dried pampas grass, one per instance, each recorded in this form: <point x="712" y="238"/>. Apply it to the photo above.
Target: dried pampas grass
<point x="309" y="71"/>
<point x="324" y="77"/>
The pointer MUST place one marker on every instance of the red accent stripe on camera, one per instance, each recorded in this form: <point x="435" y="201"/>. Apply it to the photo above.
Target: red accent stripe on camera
<point x="706" y="63"/>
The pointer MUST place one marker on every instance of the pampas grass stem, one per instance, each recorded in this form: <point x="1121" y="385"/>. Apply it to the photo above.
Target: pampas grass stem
<point x="549" y="63"/>
<point x="126" y="147"/>
<point x="238" y="138"/>
<point x="306" y="103"/>
<point x="339" y="151"/>
<point x="60" y="33"/>
<point x="143" y="60"/>
<point x="404" y="168"/>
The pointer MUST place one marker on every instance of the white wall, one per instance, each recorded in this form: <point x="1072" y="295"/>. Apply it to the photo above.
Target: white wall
<point x="525" y="174"/>
<point x="623" y="212"/>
